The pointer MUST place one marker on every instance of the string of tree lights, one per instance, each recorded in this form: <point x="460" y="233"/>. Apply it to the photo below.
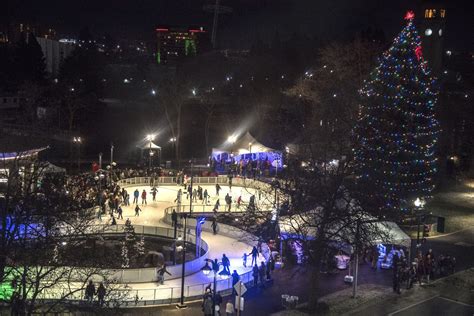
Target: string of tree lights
<point x="397" y="132"/>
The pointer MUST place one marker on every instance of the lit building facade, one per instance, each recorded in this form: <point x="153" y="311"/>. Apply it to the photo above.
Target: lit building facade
<point x="432" y="33"/>
<point x="175" y="44"/>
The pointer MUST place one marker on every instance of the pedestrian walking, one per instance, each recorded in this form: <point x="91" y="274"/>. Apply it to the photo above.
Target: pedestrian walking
<point x="137" y="210"/>
<point x="206" y="196"/>
<point x="143" y="197"/>
<point x="214" y="226"/>
<point x="136" y="194"/>
<point x="126" y="198"/>
<point x="255" y="274"/>
<point x="269" y="270"/>
<point x="235" y="279"/>
<point x="218" y="188"/>
<point x="90" y="291"/>
<point x="101" y="294"/>
<point x="239" y="201"/>
<point x="261" y="273"/>
<point x="396" y="280"/>
<point x="207" y="306"/>
<point x="195" y="195"/>
<point x="200" y="193"/>
<point x="216" y="206"/>
<point x="119" y="212"/>
<point x="174" y="218"/>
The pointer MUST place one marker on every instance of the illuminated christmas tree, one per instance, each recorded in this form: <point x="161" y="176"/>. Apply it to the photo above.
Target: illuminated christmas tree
<point x="396" y="132"/>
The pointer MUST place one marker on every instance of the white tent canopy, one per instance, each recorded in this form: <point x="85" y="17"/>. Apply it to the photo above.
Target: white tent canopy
<point x="50" y="168"/>
<point x="243" y="145"/>
<point x="297" y="227"/>
<point x="148" y="145"/>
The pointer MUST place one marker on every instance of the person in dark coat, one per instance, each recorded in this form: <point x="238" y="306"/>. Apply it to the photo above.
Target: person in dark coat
<point x="225" y="264"/>
<point x="235" y="278"/>
<point x="119" y="212"/>
<point x="254" y="254"/>
<point x="90" y="292"/>
<point x="136" y="194"/>
<point x="101" y="294"/>
<point x="214" y="226"/>
<point x="174" y="218"/>
<point x="255" y="274"/>
<point x="261" y="273"/>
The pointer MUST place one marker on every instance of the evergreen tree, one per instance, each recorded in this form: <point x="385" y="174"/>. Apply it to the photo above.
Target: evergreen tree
<point x="397" y="131"/>
<point x="125" y="257"/>
<point x="140" y="246"/>
<point x="29" y="60"/>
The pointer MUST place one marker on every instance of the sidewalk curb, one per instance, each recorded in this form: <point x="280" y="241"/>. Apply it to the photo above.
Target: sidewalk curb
<point x="449" y="234"/>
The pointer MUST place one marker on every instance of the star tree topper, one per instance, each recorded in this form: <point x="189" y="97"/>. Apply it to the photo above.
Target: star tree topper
<point x="410" y="15"/>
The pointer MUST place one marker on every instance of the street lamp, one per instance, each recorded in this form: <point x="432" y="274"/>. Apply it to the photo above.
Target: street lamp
<point x="181" y="305"/>
<point x="150" y="138"/>
<point x="78" y="141"/>
<point x="419" y="204"/>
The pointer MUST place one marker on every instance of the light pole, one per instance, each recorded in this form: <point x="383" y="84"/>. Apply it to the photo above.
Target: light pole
<point x="173" y="144"/>
<point x="111" y="153"/>
<point x="150" y="138"/>
<point x="78" y="141"/>
<point x="100" y="160"/>
<point x="181" y="305"/>
<point x="419" y="204"/>
<point x="356" y="254"/>
<point x="192" y="177"/>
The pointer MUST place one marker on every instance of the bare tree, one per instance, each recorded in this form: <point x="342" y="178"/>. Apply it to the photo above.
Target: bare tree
<point x="41" y="223"/>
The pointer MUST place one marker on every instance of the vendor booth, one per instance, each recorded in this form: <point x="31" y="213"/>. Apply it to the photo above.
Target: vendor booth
<point x="246" y="149"/>
<point x="395" y="241"/>
<point x="150" y="153"/>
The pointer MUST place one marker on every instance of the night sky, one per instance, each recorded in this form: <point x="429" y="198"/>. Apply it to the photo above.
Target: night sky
<point x="251" y="19"/>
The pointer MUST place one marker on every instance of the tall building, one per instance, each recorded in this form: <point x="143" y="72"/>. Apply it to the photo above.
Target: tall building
<point x="432" y="32"/>
<point x="177" y="43"/>
<point x="54" y="53"/>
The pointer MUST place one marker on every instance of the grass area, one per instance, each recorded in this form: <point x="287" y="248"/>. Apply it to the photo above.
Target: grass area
<point x="456" y="204"/>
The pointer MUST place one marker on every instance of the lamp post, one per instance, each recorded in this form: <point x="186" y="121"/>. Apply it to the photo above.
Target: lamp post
<point x="192" y="177"/>
<point x="78" y="141"/>
<point x="173" y="144"/>
<point x="419" y="204"/>
<point x="111" y="153"/>
<point x="150" y="138"/>
<point x="356" y="254"/>
<point x="181" y="305"/>
<point x="100" y="160"/>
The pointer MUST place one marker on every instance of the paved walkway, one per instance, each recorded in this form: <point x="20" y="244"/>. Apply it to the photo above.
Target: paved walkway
<point x="152" y="215"/>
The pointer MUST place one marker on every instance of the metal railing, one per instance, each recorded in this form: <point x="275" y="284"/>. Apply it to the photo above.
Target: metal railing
<point x="161" y="295"/>
<point x="169" y="180"/>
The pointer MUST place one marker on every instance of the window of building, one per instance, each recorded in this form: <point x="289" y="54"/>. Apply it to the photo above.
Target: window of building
<point x="430" y="13"/>
<point x="442" y="13"/>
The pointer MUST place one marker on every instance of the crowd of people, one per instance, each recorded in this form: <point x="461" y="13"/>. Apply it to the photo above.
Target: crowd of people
<point x="423" y="269"/>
